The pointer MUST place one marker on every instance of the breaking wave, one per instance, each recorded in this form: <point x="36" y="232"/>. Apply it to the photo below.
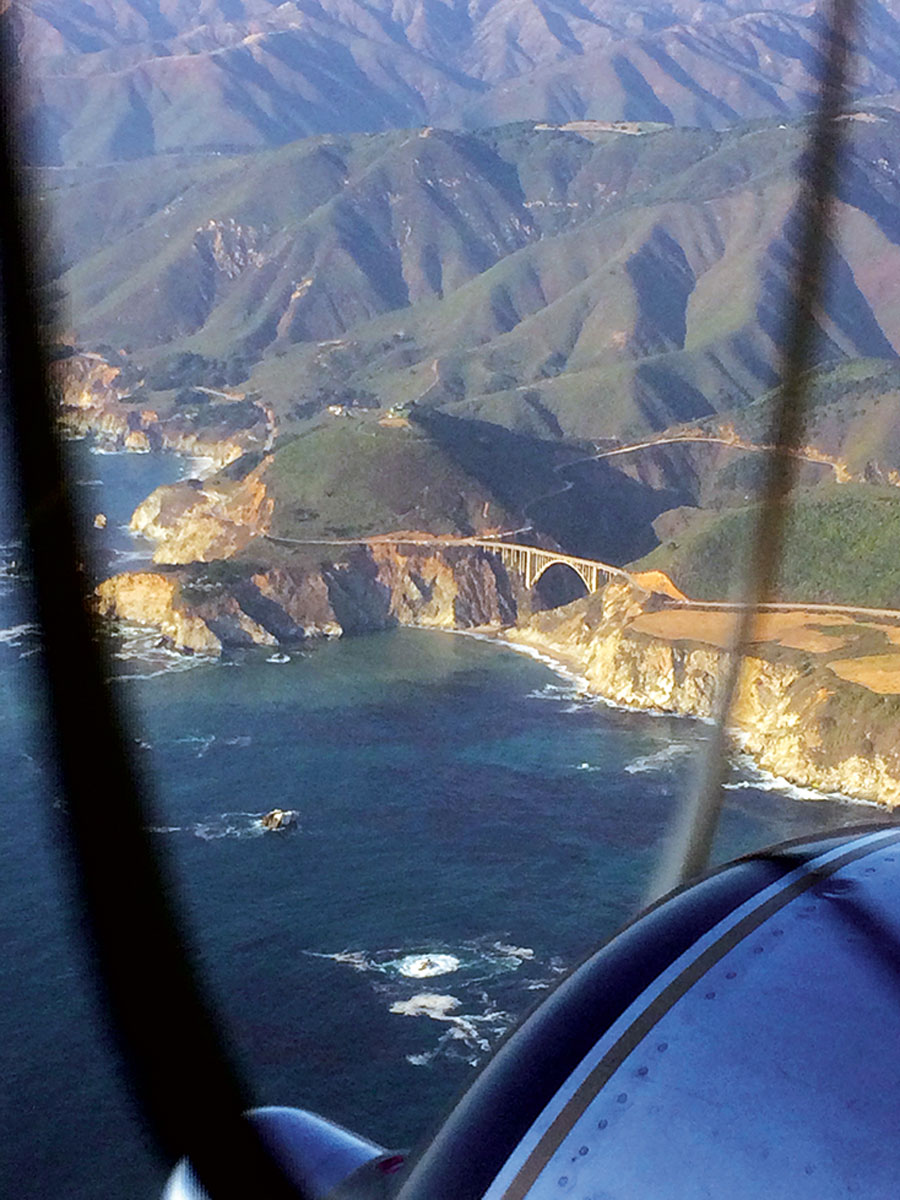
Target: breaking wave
<point x="140" y="555"/>
<point x="145" y="654"/>
<point x="230" y="825"/>
<point x="424" y="966"/>
<point x="554" y="691"/>
<point x="572" y="677"/>
<point x="14" y="635"/>
<point x="758" y="780"/>
<point x="472" y="1030"/>
<point x="659" y="759"/>
<point x="492" y="980"/>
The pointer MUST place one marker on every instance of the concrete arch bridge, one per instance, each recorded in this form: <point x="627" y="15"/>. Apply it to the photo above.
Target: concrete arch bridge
<point x="531" y="562"/>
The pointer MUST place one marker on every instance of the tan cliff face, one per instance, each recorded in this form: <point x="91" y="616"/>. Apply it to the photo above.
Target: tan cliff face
<point x="446" y="587"/>
<point x="194" y="521"/>
<point x="794" y="713"/>
<point x="93" y="401"/>
<point x="86" y="382"/>
<point x="151" y="599"/>
<point x="376" y="588"/>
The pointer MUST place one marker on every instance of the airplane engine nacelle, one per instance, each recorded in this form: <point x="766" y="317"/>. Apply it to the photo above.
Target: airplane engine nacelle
<point x="324" y="1160"/>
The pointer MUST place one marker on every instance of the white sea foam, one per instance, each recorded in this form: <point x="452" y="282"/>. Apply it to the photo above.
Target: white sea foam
<point x="89" y="483"/>
<point x="423" y="966"/>
<point x="553" y="691"/>
<point x="351" y="958"/>
<point x="203" y="742"/>
<point x="13" y="635"/>
<point x="472" y="1018"/>
<point x="756" y="778"/>
<point x="659" y="760"/>
<point x="140" y="555"/>
<point x="464" y="1027"/>
<point x="578" y="683"/>
<point x="228" y="825"/>
<point x="480" y="960"/>
<point x="522" y="953"/>
<point x="763" y="781"/>
<point x="199" y="466"/>
<point x="559" y="668"/>
<point x="426" y="1004"/>
<point x="278" y="658"/>
<point x="141" y="647"/>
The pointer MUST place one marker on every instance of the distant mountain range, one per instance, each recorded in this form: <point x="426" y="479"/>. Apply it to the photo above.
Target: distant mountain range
<point x="497" y="236"/>
<point x="518" y="293"/>
<point x="125" y="79"/>
<point x="558" y="284"/>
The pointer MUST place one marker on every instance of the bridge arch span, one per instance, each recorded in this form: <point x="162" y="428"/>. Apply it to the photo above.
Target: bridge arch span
<point x="584" y="573"/>
<point x="530" y="563"/>
<point x="559" y="583"/>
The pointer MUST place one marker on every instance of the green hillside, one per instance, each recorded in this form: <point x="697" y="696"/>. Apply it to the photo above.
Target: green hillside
<point x="559" y="285"/>
<point x="842" y="545"/>
<point x="354" y="478"/>
<point x="519" y="293"/>
<point x="853" y="413"/>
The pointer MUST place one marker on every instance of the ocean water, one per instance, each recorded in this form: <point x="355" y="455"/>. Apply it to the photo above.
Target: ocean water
<point x="468" y="827"/>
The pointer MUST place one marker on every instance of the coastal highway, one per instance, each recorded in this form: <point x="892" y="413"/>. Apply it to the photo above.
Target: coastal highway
<point x="811" y="456"/>
<point x="736" y="606"/>
<point x="848" y="610"/>
<point x="841" y="474"/>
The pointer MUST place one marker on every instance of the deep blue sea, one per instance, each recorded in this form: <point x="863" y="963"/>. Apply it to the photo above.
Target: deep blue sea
<point x="453" y="798"/>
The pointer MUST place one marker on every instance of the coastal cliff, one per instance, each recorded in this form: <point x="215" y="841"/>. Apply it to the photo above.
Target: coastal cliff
<point x="818" y="699"/>
<point x="374" y="587"/>
<point x="100" y="399"/>
<point x="203" y="521"/>
<point x="819" y="696"/>
<point x="793" y="712"/>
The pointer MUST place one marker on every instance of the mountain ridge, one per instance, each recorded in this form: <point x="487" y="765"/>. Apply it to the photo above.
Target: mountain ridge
<point x="122" y="80"/>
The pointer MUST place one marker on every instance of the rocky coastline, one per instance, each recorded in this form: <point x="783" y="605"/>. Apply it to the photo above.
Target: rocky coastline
<point x="222" y="583"/>
<point x="793" y="714"/>
<point x="97" y="399"/>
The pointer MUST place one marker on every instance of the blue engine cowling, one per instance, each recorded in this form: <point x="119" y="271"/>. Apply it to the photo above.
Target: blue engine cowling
<point x="321" y="1158"/>
<point x="740" y="1039"/>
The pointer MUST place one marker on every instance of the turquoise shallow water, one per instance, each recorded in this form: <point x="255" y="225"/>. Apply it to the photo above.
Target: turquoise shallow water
<point x="453" y="799"/>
